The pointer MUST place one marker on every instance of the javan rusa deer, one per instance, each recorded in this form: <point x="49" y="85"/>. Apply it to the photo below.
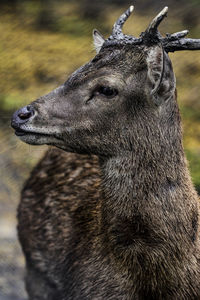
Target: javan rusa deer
<point x="114" y="215"/>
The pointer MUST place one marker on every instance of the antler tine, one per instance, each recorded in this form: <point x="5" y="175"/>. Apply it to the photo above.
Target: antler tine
<point x="117" y="28"/>
<point x="156" y="21"/>
<point x="171" y="43"/>
<point x="177" y="42"/>
<point x="180" y="44"/>
<point x="178" y="35"/>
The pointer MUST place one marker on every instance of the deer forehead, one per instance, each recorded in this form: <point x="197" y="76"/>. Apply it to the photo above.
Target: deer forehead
<point x="111" y="66"/>
<point x="108" y="79"/>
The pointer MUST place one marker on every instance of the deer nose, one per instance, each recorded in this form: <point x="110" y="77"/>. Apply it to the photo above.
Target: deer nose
<point x="21" y="116"/>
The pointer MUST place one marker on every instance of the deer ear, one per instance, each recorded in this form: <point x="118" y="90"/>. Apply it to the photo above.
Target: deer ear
<point x="155" y="64"/>
<point x="161" y="80"/>
<point x="98" y="40"/>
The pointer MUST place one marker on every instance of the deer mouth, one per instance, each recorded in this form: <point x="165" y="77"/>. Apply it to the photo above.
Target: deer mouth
<point x="20" y="132"/>
<point x="31" y="137"/>
<point x="28" y="130"/>
<point x="37" y="138"/>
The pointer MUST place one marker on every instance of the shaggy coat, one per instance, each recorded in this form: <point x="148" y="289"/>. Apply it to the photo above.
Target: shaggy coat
<point x="114" y="215"/>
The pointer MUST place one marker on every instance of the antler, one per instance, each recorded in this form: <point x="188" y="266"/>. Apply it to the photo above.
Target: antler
<point x="153" y="26"/>
<point x="177" y="42"/>
<point x="117" y="28"/>
<point x="172" y="42"/>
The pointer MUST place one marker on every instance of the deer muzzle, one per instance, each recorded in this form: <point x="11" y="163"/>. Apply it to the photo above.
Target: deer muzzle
<point x="21" y="117"/>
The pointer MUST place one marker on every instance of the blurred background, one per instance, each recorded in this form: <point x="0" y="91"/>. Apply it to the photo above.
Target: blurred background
<point x="41" y="43"/>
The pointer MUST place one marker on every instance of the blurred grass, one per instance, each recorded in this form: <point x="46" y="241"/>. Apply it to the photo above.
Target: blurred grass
<point x="34" y="59"/>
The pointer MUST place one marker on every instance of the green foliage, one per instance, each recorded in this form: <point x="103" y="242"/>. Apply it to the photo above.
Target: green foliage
<point x="33" y="63"/>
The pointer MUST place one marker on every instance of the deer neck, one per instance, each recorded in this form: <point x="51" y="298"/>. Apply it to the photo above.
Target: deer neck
<point x="149" y="196"/>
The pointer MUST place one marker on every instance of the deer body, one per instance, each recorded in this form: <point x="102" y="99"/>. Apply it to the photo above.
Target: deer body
<point x="122" y="223"/>
<point x="86" y="244"/>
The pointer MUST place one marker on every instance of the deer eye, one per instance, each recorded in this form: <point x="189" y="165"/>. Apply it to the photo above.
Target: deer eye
<point x="107" y="91"/>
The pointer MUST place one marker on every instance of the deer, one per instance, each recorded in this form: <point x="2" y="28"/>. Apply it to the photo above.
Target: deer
<point x="111" y="212"/>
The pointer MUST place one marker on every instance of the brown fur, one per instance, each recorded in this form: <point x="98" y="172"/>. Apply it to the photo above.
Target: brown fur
<point x="123" y="224"/>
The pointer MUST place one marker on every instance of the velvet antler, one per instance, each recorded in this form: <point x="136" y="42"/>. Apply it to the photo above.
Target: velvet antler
<point x="117" y="28"/>
<point x="172" y="42"/>
<point x="177" y="42"/>
<point x="153" y="26"/>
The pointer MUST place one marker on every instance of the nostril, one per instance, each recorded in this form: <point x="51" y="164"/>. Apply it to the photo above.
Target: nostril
<point x="24" y="116"/>
<point x="26" y="113"/>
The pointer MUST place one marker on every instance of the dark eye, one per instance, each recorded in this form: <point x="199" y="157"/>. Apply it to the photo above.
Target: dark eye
<point x="107" y="91"/>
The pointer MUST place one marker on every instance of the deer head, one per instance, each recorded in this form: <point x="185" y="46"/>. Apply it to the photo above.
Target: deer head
<point x="109" y="104"/>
